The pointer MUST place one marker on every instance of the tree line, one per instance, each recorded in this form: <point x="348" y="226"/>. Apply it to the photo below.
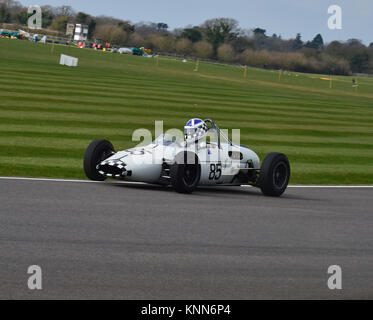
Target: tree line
<point x="218" y="39"/>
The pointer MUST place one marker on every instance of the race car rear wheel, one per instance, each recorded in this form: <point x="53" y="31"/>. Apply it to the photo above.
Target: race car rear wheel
<point x="274" y="174"/>
<point x="185" y="172"/>
<point x="97" y="151"/>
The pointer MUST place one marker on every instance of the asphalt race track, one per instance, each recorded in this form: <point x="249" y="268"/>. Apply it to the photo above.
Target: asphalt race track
<point x="121" y="241"/>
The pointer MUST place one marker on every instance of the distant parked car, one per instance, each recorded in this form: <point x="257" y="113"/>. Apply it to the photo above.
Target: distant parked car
<point x="125" y="51"/>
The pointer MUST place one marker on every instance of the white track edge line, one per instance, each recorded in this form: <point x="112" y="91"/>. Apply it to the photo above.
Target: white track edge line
<point x="132" y="182"/>
<point x="66" y="180"/>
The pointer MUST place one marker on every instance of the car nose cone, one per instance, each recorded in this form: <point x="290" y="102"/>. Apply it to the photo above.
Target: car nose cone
<point x="112" y="168"/>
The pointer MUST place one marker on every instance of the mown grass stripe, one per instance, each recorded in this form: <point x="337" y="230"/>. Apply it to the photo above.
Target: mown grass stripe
<point x="163" y="110"/>
<point x="119" y="100"/>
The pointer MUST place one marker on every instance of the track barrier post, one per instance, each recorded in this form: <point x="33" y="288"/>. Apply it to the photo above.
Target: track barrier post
<point x="197" y="66"/>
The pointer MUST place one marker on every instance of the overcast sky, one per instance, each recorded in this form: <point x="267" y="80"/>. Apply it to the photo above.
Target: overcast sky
<point x="284" y="17"/>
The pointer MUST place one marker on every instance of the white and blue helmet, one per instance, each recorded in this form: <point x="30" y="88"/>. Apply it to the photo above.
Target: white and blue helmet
<point x="195" y="129"/>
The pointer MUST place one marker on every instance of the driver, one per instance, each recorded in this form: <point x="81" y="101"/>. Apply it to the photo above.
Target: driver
<point x="195" y="130"/>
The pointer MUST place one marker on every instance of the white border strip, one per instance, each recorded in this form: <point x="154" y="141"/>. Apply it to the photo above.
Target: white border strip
<point x="330" y="186"/>
<point x="67" y="180"/>
<point x="131" y="182"/>
<point x="312" y="186"/>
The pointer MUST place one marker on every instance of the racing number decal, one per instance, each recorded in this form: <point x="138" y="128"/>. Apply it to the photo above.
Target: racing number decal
<point x="218" y="171"/>
<point x="212" y="171"/>
<point x="215" y="171"/>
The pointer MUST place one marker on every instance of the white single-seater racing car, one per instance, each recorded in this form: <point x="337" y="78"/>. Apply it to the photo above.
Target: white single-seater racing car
<point x="206" y="157"/>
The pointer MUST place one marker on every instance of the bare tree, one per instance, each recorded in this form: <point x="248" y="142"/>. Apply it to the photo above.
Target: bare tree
<point x="220" y="30"/>
<point x="203" y="49"/>
<point x="65" y="11"/>
<point x="112" y="34"/>
<point x="162" y="43"/>
<point x="184" y="46"/>
<point x="226" y="53"/>
<point x="136" y="40"/>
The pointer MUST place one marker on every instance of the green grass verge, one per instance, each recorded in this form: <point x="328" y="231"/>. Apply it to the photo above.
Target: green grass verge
<point x="49" y="113"/>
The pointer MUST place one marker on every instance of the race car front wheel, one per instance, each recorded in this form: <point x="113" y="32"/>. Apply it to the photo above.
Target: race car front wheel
<point x="274" y="174"/>
<point x="97" y="151"/>
<point x="185" y="172"/>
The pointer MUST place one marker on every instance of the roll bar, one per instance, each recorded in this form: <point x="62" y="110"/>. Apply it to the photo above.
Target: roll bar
<point x="215" y="126"/>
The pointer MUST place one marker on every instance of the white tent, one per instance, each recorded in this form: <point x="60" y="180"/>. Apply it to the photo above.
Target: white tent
<point x="68" y="61"/>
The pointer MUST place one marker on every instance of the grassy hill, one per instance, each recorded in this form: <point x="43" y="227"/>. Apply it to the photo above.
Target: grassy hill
<point x="49" y="113"/>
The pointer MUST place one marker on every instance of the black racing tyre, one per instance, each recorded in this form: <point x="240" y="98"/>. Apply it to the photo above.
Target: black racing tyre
<point x="97" y="151"/>
<point x="274" y="174"/>
<point x="185" y="172"/>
